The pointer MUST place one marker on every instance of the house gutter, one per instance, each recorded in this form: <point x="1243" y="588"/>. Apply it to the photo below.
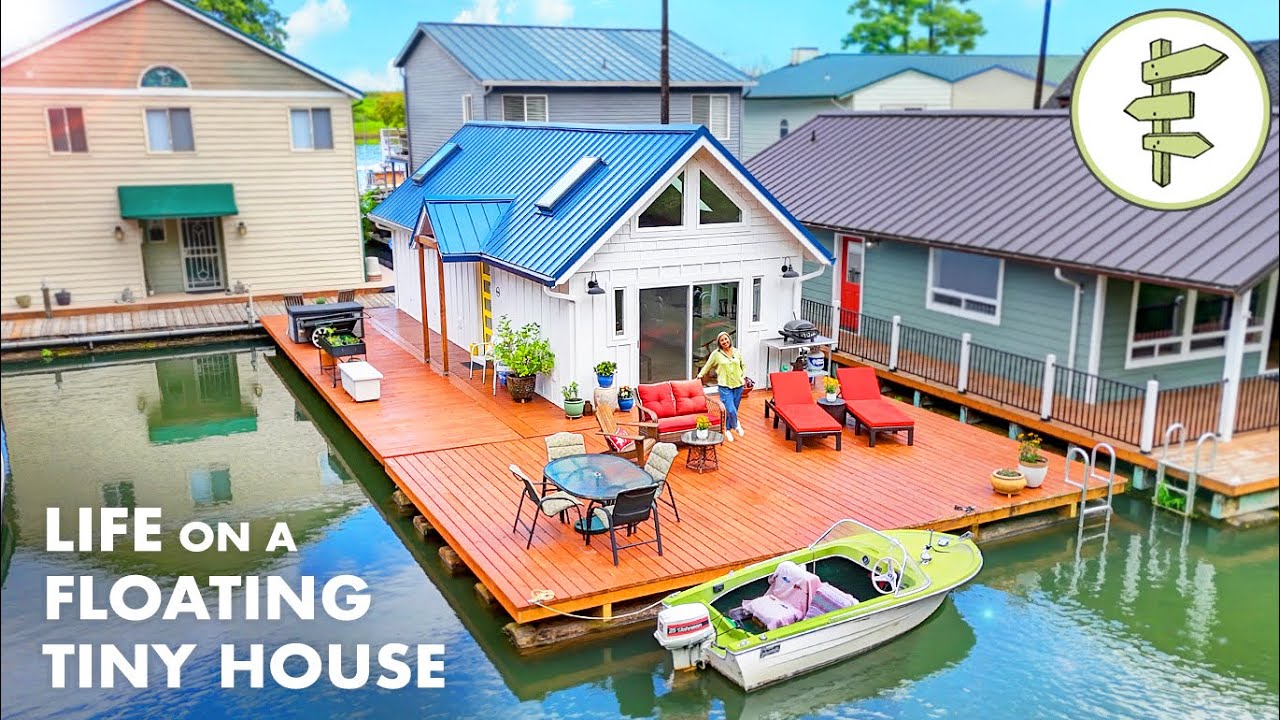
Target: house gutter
<point x="573" y="328"/>
<point x="1077" y="292"/>
<point x="795" y="291"/>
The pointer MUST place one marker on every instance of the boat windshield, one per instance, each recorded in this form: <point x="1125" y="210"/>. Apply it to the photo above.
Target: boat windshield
<point x="890" y="568"/>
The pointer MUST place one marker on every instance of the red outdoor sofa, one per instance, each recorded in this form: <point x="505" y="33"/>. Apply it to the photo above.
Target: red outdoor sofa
<point x="861" y="392"/>
<point x="674" y="406"/>
<point x="793" y="404"/>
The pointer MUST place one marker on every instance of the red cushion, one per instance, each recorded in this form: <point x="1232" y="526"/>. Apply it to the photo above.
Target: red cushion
<point x="619" y="444"/>
<point x="658" y="398"/>
<point x="689" y="396"/>
<point x="680" y="423"/>
<point x="791" y="388"/>
<point x="807" y="418"/>
<point x="878" y="413"/>
<point x="858" y="383"/>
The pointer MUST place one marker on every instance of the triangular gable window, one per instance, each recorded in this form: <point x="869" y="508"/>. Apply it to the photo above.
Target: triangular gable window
<point x="714" y="206"/>
<point x="668" y="209"/>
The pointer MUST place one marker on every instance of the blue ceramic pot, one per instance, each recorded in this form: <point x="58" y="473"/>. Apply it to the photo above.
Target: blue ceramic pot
<point x="605" y="380"/>
<point x="625" y="404"/>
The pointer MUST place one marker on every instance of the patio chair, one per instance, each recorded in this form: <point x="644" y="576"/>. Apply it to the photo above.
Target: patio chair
<point x="630" y="509"/>
<point x="659" y="466"/>
<point x="293" y="300"/>
<point x="482" y="355"/>
<point x="549" y="504"/>
<point x="563" y="444"/>
<point x="860" y="389"/>
<point x="346" y="296"/>
<point x="793" y="404"/>
<point x="632" y="446"/>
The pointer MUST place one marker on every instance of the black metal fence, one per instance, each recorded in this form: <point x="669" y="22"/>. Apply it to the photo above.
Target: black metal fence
<point x="818" y="314"/>
<point x="865" y="337"/>
<point x="1097" y="404"/>
<point x="1195" y="406"/>
<point x="1258" y="406"/>
<point x="929" y="355"/>
<point x="1005" y="377"/>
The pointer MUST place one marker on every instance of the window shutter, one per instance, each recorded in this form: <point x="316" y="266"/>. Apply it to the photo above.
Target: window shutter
<point x="513" y="107"/>
<point x="535" y="108"/>
<point x="701" y="114"/>
<point x="58" y="130"/>
<point x="321" y="129"/>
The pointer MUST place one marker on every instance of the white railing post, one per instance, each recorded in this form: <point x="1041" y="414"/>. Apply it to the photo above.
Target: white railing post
<point x="962" y="377"/>
<point x="1147" y="431"/>
<point x="895" y="335"/>
<point x="1046" y="390"/>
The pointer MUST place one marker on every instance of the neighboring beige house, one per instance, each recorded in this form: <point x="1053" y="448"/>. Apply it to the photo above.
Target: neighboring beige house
<point x="151" y="149"/>
<point x="786" y="98"/>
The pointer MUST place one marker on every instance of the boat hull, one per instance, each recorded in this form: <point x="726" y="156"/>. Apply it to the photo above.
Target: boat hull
<point x="822" y="646"/>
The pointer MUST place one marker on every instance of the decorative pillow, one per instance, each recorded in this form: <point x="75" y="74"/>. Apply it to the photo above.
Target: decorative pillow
<point x="689" y="396"/>
<point x="619" y="444"/>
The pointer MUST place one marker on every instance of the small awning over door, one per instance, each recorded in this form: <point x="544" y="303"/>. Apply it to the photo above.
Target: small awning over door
<point x="154" y="202"/>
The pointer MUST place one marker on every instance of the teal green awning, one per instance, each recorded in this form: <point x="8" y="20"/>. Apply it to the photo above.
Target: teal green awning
<point x="154" y="202"/>
<point x="187" y="432"/>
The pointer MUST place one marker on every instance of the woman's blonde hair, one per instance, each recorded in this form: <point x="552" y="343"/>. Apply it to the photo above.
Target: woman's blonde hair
<point x="724" y="335"/>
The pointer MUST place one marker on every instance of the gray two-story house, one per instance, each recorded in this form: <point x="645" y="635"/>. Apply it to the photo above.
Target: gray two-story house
<point x="455" y="73"/>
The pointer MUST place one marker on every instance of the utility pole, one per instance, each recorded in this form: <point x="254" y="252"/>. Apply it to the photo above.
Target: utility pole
<point x="1044" y="44"/>
<point x="664" y="75"/>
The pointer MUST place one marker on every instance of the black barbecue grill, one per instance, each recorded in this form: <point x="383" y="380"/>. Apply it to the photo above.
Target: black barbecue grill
<point x="347" y="317"/>
<point x="798" y="331"/>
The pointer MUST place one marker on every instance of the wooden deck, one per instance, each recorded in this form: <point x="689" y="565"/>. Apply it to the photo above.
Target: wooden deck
<point x="447" y="442"/>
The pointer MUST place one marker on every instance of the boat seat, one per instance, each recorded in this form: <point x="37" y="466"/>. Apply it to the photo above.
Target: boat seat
<point x="791" y="588"/>
<point x="828" y="598"/>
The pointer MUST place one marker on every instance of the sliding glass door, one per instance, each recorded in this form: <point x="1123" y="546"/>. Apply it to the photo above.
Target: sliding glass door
<point x="678" y="327"/>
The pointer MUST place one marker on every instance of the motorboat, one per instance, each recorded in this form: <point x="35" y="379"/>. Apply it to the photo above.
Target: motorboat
<point x="852" y="589"/>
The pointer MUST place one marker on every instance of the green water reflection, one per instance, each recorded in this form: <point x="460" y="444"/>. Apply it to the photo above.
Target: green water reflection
<point x="1163" y="619"/>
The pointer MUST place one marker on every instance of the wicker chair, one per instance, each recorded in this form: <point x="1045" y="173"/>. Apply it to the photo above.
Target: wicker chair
<point x="631" y="508"/>
<point x="549" y="504"/>
<point x="658" y="466"/>
<point x="632" y="446"/>
<point x="564" y="444"/>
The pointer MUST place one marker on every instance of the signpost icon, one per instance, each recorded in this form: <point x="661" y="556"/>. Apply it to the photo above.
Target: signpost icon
<point x="1163" y="106"/>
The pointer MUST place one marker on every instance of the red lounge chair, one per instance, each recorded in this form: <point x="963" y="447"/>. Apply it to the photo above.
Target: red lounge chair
<point x="861" y="392"/>
<point x="793" y="404"/>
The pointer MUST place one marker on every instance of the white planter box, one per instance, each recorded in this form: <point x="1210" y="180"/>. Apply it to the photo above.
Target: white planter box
<point x="361" y="381"/>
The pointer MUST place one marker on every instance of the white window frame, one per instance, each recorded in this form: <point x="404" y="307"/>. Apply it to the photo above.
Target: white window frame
<point x="756" y="318"/>
<point x="467" y="109"/>
<point x="185" y="78"/>
<point x="686" y="208"/>
<point x="146" y="130"/>
<point x="546" y="104"/>
<point x="616" y="337"/>
<point x="711" y="107"/>
<point x="311" y="129"/>
<point x="729" y="193"/>
<point x="1186" y="335"/>
<point x="49" y="128"/>
<point x="929" y="290"/>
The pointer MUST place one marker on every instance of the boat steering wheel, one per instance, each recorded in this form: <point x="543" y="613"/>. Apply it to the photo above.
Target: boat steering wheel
<point x="885" y="575"/>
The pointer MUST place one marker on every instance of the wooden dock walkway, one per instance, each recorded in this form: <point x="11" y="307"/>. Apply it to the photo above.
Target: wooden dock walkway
<point x="447" y="442"/>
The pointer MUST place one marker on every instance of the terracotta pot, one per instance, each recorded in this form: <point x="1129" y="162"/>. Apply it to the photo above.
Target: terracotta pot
<point x="521" y="387"/>
<point x="1008" y="485"/>
<point x="1034" y="471"/>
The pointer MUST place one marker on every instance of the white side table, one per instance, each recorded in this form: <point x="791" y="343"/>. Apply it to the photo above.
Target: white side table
<point x="361" y="381"/>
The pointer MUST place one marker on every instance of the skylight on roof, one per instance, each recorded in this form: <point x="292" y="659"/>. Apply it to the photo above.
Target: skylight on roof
<point x="567" y="182"/>
<point x="433" y="162"/>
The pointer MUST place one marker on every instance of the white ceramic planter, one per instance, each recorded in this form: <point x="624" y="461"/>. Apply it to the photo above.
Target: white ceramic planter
<point x="701" y="434"/>
<point x="1034" y="473"/>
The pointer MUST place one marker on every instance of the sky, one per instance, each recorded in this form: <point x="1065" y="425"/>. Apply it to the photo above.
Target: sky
<point x="355" y="40"/>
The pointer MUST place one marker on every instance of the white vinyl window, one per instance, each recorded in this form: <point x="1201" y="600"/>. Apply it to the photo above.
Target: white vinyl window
<point x="66" y="130"/>
<point x="169" y="130"/>
<point x="466" y="108"/>
<point x="711" y="111"/>
<point x="1169" y="324"/>
<point x="756" y="296"/>
<point x="965" y="284"/>
<point x="524" y="108"/>
<point x="311" y="129"/>
<point x="619" y="312"/>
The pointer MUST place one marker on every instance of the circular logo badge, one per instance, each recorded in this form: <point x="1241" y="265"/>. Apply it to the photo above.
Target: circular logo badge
<point x="1170" y="109"/>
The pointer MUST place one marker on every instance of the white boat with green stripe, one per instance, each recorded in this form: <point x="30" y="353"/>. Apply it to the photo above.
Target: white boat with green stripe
<point x="854" y="588"/>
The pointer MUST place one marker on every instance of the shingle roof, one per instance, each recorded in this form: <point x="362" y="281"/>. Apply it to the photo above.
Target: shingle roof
<point x="838" y="74"/>
<point x="1013" y="184"/>
<point x="504" y="54"/>
<point x="481" y="200"/>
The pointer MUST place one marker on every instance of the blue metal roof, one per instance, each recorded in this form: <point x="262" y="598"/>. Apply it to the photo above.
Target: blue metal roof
<point x="837" y="75"/>
<point x="481" y="200"/>
<point x="573" y="55"/>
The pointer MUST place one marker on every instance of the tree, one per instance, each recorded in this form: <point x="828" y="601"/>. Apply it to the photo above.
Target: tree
<point x="255" y="18"/>
<point x="389" y="108"/>
<point x="887" y="26"/>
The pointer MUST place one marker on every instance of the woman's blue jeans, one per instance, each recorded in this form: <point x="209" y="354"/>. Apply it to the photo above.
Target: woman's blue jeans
<point x="730" y="397"/>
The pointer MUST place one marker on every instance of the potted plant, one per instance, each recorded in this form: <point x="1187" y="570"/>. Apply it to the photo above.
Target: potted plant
<point x="524" y="353"/>
<point x="832" y="386"/>
<point x="23" y="301"/>
<point x="605" y="370"/>
<point x="1008" y="481"/>
<point x="1030" y="462"/>
<point x="626" y="398"/>
<point x="573" y="404"/>
<point x="63" y="297"/>
<point x="702" y="427"/>
<point x="340" y="344"/>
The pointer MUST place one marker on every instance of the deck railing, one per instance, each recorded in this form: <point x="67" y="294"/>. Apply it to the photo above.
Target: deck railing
<point x="1005" y="377"/>
<point x="1258" y="405"/>
<point x="1097" y="404"/>
<point x="1195" y="406"/>
<point x="929" y="355"/>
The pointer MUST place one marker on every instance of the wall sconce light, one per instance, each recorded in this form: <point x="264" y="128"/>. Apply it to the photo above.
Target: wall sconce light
<point x="789" y="272"/>
<point x="593" y="287"/>
<point x="119" y="234"/>
<point x="242" y="229"/>
<point x="869" y="244"/>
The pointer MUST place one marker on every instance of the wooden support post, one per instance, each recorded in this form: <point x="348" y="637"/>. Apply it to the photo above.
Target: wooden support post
<point x="403" y="503"/>
<point x="444" y="325"/>
<point x="486" y="597"/>
<point x="452" y="561"/>
<point x="423" y="527"/>
<point x="606" y="611"/>
<point x="422" y="294"/>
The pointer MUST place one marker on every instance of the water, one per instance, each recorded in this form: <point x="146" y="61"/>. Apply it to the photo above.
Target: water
<point x="1172" y="620"/>
<point x="368" y="157"/>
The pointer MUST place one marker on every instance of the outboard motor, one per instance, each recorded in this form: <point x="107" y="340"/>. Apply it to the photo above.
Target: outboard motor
<point x="685" y="630"/>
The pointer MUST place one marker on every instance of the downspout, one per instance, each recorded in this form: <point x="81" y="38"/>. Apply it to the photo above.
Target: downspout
<point x="573" y="328"/>
<point x="1078" y="291"/>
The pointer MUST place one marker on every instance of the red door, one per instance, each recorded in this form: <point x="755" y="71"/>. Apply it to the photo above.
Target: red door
<point x="851" y="281"/>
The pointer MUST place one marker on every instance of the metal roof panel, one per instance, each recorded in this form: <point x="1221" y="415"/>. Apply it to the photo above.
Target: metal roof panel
<point x="838" y="74"/>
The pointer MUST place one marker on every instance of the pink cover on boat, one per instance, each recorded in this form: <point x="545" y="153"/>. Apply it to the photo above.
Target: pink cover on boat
<point x="772" y="612"/>
<point x="828" y="598"/>
<point x="790" y="589"/>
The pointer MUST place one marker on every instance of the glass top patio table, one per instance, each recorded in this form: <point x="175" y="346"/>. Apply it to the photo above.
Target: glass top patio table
<point x="596" y="477"/>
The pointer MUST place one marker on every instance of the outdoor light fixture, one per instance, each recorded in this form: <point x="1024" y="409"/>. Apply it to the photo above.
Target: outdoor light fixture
<point x="119" y="234"/>
<point x="593" y="287"/>
<point x="242" y="229"/>
<point x="789" y="272"/>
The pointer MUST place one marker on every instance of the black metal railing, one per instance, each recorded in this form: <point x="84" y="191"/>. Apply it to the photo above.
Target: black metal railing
<point x="1015" y="380"/>
<point x="929" y="355"/>
<point x="1100" y="405"/>
<point x="1195" y="406"/>
<point x="864" y="336"/>
<point x="818" y="314"/>
<point x="1258" y="404"/>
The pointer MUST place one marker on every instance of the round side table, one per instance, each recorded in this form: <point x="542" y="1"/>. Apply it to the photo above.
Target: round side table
<point x="702" y="453"/>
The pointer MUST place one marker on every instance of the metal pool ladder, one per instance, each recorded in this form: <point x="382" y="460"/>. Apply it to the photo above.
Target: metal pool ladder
<point x="1101" y="506"/>
<point x="1187" y="491"/>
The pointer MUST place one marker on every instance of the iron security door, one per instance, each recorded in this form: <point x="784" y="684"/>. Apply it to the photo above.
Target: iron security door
<point x="201" y="254"/>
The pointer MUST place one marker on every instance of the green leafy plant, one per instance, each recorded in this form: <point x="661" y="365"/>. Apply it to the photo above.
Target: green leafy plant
<point x="46" y="355"/>
<point x="831" y="385"/>
<point x="703" y="422"/>
<point x="1007" y="473"/>
<point x="338" y="339"/>
<point x="625" y="392"/>
<point x="570" y="391"/>
<point x="320" y="301"/>
<point x="1167" y="498"/>
<point x="524" y="352"/>
<point x="1029" y="448"/>
<point x="606" y="368"/>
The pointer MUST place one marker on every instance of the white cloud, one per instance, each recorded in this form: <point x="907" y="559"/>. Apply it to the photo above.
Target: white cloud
<point x="314" y="19"/>
<point x="553" y="12"/>
<point x="365" y="79"/>
<point x="481" y="11"/>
